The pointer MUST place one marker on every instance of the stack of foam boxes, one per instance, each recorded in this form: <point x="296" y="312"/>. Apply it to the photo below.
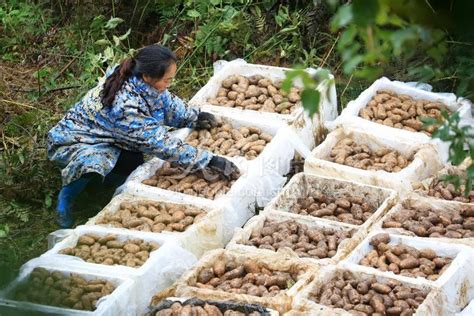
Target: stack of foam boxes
<point x="211" y="221"/>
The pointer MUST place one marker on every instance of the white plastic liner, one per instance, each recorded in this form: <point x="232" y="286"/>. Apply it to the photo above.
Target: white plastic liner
<point x="418" y="201"/>
<point x="280" y="302"/>
<point x="302" y="183"/>
<point x="256" y="224"/>
<point x="452" y="282"/>
<point x="122" y="301"/>
<point x="426" y="160"/>
<point x="468" y="310"/>
<point x="183" y="299"/>
<point x="299" y="120"/>
<point x="159" y="272"/>
<point x="350" y="114"/>
<point x="434" y="303"/>
<point x="207" y="233"/>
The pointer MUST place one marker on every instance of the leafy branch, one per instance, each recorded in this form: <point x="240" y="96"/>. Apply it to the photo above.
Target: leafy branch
<point x="310" y="94"/>
<point x="459" y="137"/>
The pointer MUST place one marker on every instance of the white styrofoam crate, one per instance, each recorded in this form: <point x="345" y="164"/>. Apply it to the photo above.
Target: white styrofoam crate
<point x="301" y="184"/>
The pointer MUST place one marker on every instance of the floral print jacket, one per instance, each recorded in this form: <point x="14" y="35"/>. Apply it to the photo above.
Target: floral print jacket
<point x="90" y="136"/>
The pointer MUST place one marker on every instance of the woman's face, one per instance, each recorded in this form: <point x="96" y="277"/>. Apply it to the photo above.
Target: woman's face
<point x="163" y="83"/>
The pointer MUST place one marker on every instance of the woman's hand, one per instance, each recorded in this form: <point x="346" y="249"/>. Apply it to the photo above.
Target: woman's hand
<point x="223" y="166"/>
<point x="205" y="120"/>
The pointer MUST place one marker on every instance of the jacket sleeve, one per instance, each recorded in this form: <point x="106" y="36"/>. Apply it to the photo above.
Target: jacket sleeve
<point x="177" y="112"/>
<point x="134" y="130"/>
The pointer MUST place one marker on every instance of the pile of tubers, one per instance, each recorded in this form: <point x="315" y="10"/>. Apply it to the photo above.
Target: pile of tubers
<point x="248" y="278"/>
<point x="401" y="111"/>
<point x="404" y="260"/>
<point x="152" y="216"/>
<point x="108" y="250"/>
<point x="367" y="296"/>
<point x="256" y="93"/>
<point x="444" y="191"/>
<point x="57" y="289"/>
<point x="347" y="209"/>
<point x="315" y="243"/>
<point x="348" y="152"/>
<point x="228" y="141"/>
<point x="203" y="183"/>
<point x="177" y="309"/>
<point x="425" y="221"/>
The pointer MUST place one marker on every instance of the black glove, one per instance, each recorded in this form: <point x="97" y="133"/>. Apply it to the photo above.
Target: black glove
<point x="223" y="166"/>
<point x="205" y="120"/>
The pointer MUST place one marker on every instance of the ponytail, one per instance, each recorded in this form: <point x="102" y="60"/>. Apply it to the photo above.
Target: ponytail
<point x="114" y="82"/>
<point x="152" y="60"/>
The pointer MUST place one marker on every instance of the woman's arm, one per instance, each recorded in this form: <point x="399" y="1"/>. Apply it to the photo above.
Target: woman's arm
<point x="177" y="112"/>
<point x="135" y="131"/>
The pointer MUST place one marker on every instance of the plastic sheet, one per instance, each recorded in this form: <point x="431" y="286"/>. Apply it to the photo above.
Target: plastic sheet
<point x="122" y="301"/>
<point x="281" y="302"/>
<point x="434" y="303"/>
<point x="222" y="305"/>
<point x="308" y="129"/>
<point x="426" y="160"/>
<point x="256" y="223"/>
<point x="302" y="183"/>
<point x="350" y="115"/>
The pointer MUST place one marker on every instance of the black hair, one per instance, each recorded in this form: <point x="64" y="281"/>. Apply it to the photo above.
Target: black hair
<point x="152" y="60"/>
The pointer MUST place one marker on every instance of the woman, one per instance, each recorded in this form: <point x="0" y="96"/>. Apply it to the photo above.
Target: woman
<point x="131" y="113"/>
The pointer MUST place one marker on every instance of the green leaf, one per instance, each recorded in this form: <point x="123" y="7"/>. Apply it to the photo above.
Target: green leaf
<point x="321" y="74"/>
<point x="342" y="17"/>
<point x="310" y="100"/>
<point x="116" y="40"/>
<point x="428" y="121"/>
<point x="365" y="11"/>
<point x="4" y="231"/>
<point x="193" y="13"/>
<point x="352" y="63"/>
<point x="48" y="201"/>
<point x="102" y="42"/>
<point x="113" y="22"/>
<point x="109" y="53"/>
<point x="124" y="36"/>
<point x="215" y="2"/>
<point x="400" y="37"/>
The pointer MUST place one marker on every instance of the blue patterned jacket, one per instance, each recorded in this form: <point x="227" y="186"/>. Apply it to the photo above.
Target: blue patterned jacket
<point x="90" y="136"/>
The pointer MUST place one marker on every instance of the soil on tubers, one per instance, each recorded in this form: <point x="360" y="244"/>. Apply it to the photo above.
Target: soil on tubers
<point x="367" y="296"/>
<point x="249" y="278"/>
<point x="229" y="141"/>
<point x="179" y="309"/>
<point x="110" y="251"/>
<point x="402" y="111"/>
<point x="348" y="152"/>
<point x="200" y="183"/>
<point x="315" y="243"/>
<point x="153" y="216"/>
<point x="425" y="221"/>
<point x="256" y="93"/>
<point x="404" y="260"/>
<point x="343" y="208"/>
<point x="57" y="289"/>
<point x="442" y="190"/>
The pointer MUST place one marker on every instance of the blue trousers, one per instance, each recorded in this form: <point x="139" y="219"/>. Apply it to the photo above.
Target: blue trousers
<point x="127" y="162"/>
